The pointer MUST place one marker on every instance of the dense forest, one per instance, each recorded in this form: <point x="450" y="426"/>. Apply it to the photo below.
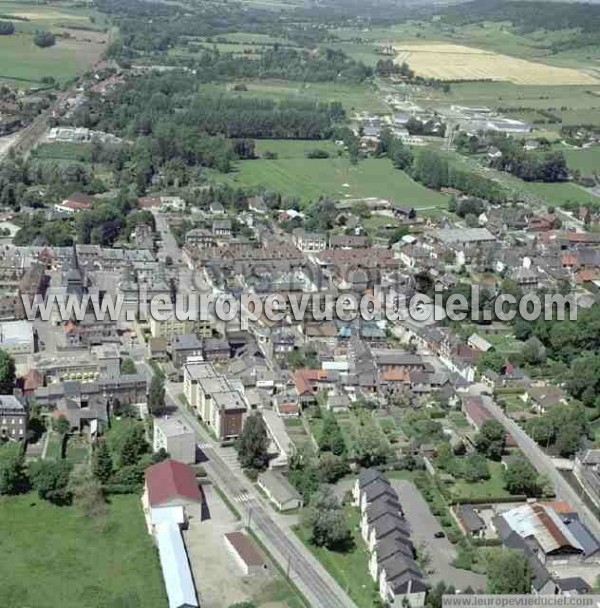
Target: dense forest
<point x="171" y="104"/>
<point x="280" y="63"/>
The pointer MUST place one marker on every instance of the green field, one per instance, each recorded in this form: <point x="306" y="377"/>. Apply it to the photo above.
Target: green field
<point x="294" y="148"/>
<point x="75" y="49"/>
<point x="63" y="152"/>
<point x="56" y="557"/>
<point x="560" y="193"/>
<point x="335" y="177"/>
<point x="354" y="97"/>
<point x="587" y="161"/>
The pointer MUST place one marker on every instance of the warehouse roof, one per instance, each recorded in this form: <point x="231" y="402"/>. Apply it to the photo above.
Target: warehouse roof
<point x="175" y="567"/>
<point x="544" y="525"/>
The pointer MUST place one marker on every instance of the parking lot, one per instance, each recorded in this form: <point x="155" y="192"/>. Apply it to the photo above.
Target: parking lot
<point x="441" y="552"/>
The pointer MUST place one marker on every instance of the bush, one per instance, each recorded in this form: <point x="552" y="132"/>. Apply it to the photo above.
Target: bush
<point x="251" y="474"/>
<point x="44" y="39"/>
<point x="317" y="153"/>
<point x="131" y="475"/>
<point x="454" y="537"/>
<point x="6" y="28"/>
<point x="120" y="488"/>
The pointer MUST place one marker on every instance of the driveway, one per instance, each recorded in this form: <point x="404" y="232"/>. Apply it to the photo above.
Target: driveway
<point x="423" y="526"/>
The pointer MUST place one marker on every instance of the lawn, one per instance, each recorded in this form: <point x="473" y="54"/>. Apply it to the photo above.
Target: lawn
<point x="350" y="569"/>
<point x="492" y="487"/>
<point x="308" y="179"/>
<point x="60" y="558"/>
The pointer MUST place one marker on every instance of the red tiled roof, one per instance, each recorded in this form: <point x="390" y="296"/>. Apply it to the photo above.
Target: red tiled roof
<point x="33" y="380"/>
<point x="305" y="378"/>
<point x="569" y="259"/>
<point x="559" y="506"/>
<point x="171" y="479"/>
<point x="479" y="414"/>
<point x="476" y="412"/>
<point x="80" y="198"/>
<point x="587" y="276"/>
<point x="395" y="375"/>
<point x="288" y="408"/>
<point x="245" y="548"/>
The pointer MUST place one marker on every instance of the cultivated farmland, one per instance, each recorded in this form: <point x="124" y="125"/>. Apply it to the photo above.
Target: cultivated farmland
<point x="457" y="62"/>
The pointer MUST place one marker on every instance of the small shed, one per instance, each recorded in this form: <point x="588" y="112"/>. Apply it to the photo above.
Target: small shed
<point x="280" y="491"/>
<point x="245" y="552"/>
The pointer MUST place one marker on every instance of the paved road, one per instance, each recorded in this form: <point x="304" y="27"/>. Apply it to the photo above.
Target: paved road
<point x="543" y="463"/>
<point x="319" y="588"/>
<point x="168" y="246"/>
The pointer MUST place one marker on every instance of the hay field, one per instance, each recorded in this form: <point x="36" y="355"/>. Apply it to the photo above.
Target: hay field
<point x="457" y="62"/>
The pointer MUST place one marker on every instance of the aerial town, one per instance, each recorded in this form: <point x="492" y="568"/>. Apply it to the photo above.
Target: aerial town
<point x="279" y="447"/>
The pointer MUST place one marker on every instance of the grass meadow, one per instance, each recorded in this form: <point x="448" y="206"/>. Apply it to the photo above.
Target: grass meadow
<point x="295" y="175"/>
<point x="57" y="557"/>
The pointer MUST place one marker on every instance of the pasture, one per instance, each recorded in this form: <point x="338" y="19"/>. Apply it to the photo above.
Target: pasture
<point x="308" y="179"/>
<point x="81" y="38"/>
<point x="457" y="62"/>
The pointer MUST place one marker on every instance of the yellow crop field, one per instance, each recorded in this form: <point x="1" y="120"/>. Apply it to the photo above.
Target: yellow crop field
<point x="457" y="62"/>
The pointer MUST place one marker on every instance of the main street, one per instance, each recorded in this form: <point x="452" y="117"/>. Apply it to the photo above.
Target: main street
<point x="543" y="463"/>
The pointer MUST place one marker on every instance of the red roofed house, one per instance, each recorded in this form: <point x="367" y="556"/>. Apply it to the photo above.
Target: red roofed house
<point x="305" y="381"/>
<point x="171" y="483"/>
<point x="75" y="203"/>
<point x="476" y="414"/>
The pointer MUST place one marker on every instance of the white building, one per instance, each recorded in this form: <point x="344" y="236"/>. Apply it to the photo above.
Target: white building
<point x="176" y="438"/>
